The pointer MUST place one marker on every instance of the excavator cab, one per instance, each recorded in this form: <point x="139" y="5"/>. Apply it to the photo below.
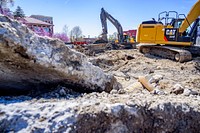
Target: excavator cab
<point x="128" y="39"/>
<point x="125" y="38"/>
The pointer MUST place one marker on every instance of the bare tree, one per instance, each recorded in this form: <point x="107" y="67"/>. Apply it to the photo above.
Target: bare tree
<point x="115" y="35"/>
<point x="71" y="36"/>
<point x="76" y="32"/>
<point x="3" y="4"/>
<point x="65" y="30"/>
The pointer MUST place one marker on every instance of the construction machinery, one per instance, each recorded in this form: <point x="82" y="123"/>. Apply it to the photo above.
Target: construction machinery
<point x="123" y="39"/>
<point x="173" y="36"/>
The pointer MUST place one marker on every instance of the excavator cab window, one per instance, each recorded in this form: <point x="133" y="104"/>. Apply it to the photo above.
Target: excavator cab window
<point x="176" y="23"/>
<point x="189" y="35"/>
<point x="125" y="38"/>
<point x="189" y="29"/>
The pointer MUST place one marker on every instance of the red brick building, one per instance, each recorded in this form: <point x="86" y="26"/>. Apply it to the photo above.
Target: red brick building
<point x="131" y="33"/>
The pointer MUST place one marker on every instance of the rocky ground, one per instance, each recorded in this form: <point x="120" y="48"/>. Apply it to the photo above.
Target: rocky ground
<point x="125" y="64"/>
<point x="173" y="105"/>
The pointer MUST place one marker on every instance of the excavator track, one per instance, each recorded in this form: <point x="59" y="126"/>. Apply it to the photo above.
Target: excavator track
<point x="168" y="52"/>
<point x="194" y="50"/>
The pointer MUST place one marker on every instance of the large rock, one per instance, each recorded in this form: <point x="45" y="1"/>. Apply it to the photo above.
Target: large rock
<point x="28" y="61"/>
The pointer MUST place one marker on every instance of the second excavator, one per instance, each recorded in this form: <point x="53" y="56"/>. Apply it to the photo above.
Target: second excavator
<point x="123" y="39"/>
<point x="173" y="36"/>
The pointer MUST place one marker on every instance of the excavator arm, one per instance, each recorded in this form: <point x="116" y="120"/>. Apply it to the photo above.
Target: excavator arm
<point x="104" y="25"/>
<point x="191" y="17"/>
<point x="104" y="16"/>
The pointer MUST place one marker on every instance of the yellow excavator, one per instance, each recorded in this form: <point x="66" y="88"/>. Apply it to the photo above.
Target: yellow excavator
<point x="173" y="36"/>
<point x="124" y="40"/>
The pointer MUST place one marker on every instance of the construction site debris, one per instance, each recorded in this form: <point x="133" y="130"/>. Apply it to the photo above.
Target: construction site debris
<point x="163" y="74"/>
<point x="155" y="79"/>
<point x="177" y="89"/>
<point x="188" y="92"/>
<point x="29" y="62"/>
<point x="136" y="87"/>
<point x="144" y="81"/>
<point x="157" y="91"/>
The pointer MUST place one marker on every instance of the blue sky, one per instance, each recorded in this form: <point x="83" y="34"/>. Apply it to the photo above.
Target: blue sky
<point x="85" y="13"/>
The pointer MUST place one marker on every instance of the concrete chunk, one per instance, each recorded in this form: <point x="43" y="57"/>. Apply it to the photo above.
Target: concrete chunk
<point x="28" y="61"/>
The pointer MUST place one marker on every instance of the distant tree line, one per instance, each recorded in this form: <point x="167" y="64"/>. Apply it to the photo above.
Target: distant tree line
<point x="73" y="35"/>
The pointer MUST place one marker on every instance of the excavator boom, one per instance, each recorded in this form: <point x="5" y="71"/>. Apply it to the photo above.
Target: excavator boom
<point x="104" y="16"/>
<point x="191" y="17"/>
<point x="104" y="25"/>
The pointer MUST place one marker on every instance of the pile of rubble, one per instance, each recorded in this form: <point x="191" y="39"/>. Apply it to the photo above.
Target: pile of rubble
<point x="29" y="62"/>
<point x="129" y="92"/>
<point x="136" y="71"/>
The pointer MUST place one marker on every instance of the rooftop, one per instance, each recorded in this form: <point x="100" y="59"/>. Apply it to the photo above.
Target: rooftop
<point x="41" y="16"/>
<point x="30" y="20"/>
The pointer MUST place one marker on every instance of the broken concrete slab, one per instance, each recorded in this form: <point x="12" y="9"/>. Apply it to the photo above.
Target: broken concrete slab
<point x="29" y="61"/>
